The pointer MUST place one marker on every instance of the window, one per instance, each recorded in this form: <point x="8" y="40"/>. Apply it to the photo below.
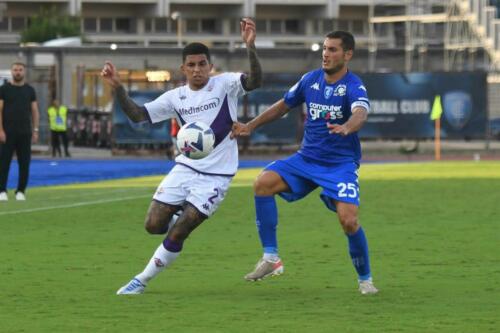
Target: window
<point x="191" y="25"/>
<point x="123" y="25"/>
<point x="276" y="26"/>
<point x="358" y="27"/>
<point x="18" y="23"/>
<point x="261" y="26"/>
<point x="90" y="24"/>
<point x="106" y="24"/>
<point x="317" y="27"/>
<point x="328" y="26"/>
<point x="208" y="26"/>
<point x="173" y="25"/>
<point x="160" y="25"/>
<point x="381" y="29"/>
<point x="235" y="26"/>
<point x="343" y="25"/>
<point x="4" y="24"/>
<point x="148" y="25"/>
<point x="292" y="26"/>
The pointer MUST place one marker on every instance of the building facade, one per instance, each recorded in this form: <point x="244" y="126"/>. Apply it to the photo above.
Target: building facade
<point x="280" y="23"/>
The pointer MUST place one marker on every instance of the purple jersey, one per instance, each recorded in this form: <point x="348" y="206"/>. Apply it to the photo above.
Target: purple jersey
<point x="328" y="103"/>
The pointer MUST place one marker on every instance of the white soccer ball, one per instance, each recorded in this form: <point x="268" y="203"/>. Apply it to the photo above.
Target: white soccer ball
<point x="195" y="140"/>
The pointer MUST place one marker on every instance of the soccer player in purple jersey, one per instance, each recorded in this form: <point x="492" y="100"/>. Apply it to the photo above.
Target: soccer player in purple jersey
<point x="195" y="188"/>
<point x="337" y="107"/>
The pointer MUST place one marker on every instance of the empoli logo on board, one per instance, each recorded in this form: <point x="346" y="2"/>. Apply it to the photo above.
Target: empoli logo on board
<point x="457" y="107"/>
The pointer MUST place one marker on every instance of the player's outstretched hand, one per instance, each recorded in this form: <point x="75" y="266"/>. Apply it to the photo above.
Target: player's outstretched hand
<point x="240" y="129"/>
<point x="248" y="31"/>
<point x="110" y="74"/>
<point x="337" y="129"/>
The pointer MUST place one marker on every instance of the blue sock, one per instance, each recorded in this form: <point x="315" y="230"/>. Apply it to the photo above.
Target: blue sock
<point x="267" y="220"/>
<point x="358" y="249"/>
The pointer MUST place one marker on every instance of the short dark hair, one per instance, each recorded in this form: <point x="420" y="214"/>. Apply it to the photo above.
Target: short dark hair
<point x="18" y="63"/>
<point x="346" y="37"/>
<point x="195" y="48"/>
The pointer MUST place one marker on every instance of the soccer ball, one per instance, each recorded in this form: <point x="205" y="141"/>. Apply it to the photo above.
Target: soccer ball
<point x="195" y="140"/>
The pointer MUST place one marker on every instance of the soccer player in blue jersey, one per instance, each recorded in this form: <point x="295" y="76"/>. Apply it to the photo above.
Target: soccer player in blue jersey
<point x="337" y="106"/>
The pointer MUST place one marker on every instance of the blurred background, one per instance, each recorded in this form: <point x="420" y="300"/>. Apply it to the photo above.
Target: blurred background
<point x="412" y="56"/>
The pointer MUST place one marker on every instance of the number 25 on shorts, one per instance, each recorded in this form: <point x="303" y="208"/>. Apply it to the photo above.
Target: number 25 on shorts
<point x="349" y="190"/>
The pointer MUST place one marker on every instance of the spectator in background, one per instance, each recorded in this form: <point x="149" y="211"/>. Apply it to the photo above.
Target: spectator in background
<point x="58" y="115"/>
<point x="18" y="128"/>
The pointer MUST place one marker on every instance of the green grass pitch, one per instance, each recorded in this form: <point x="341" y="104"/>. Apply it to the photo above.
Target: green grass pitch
<point x="433" y="231"/>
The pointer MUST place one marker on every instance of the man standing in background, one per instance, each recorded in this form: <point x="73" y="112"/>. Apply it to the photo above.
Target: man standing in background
<point x="18" y="128"/>
<point x="58" y="115"/>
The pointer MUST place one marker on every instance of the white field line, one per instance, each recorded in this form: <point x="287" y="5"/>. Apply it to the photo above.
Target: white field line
<point x="89" y="203"/>
<point x="87" y="194"/>
<point x="79" y="204"/>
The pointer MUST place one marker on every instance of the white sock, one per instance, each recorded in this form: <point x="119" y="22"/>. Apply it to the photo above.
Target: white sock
<point x="161" y="259"/>
<point x="271" y="257"/>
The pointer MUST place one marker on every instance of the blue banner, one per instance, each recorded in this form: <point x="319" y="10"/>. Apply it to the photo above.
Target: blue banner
<point x="401" y="105"/>
<point x="286" y="130"/>
<point x="127" y="132"/>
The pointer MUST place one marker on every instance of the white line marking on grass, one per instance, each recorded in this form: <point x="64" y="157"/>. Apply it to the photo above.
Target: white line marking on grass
<point x="80" y="204"/>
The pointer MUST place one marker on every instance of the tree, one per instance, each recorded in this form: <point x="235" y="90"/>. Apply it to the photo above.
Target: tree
<point x="50" y="24"/>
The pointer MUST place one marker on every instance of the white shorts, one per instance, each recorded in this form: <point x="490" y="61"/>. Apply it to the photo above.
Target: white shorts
<point x="183" y="184"/>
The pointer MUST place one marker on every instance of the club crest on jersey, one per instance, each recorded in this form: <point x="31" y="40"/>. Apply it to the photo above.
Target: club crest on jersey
<point x="328" y="92"/>
<point x="340" y="90"/>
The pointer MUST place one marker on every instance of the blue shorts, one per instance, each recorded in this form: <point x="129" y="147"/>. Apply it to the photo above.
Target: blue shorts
<point x="338" y="181"/>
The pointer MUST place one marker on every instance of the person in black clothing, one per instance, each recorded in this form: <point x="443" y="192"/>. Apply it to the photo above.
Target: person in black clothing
<point x="19" y="119"/>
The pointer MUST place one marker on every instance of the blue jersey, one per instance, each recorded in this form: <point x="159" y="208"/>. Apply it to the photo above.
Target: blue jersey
<point x="332" y="103"/>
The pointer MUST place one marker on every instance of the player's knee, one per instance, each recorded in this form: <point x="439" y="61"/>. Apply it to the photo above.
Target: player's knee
<point x="266" y="184"/>
<point x="260" y="188"/>
<point x="152" y="226"/>
<point x="349" y="223"/>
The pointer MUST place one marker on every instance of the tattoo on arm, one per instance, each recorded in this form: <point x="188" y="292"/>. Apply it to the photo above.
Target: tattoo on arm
<point x="132" y="110"/>
<point x="254" y="79"/>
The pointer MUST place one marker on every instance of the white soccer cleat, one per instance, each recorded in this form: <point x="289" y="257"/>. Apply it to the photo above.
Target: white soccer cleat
<point x="366" y="287"/>
<point x="3" y="196"/>
<point x="20" y="196"/>
<point x="264" y="269"/>
<point x="134" y="287"/>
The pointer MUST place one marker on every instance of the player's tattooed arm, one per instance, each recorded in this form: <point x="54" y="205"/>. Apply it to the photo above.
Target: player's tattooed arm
<point x="111" y="75"/>
<point x="132" y="110"/>
<point x="248" y="33"/>
<point x="254" y="79"/>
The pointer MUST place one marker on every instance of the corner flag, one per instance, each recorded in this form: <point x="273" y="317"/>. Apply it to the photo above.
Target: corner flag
<point x="437" y="109"/>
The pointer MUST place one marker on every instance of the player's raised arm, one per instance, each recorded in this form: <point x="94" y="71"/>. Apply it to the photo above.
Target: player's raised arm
<point x="248" y="33"/>
<point x="132" y="110"/>
<point x="275" y="111"/>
